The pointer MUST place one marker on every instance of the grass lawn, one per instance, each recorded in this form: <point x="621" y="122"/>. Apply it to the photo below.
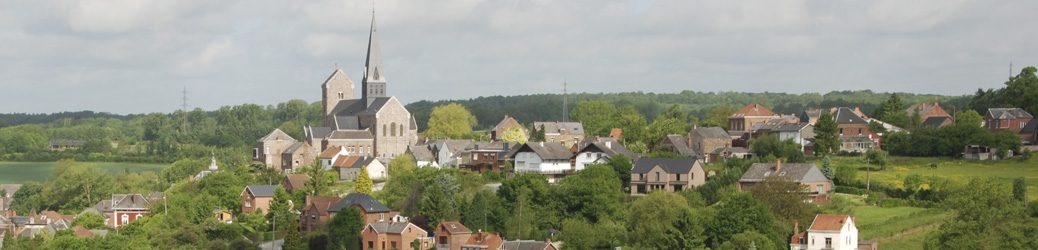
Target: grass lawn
<point x="953" y="169"/>
<point x="21" y="172"/>
<point x="896" y="227"/>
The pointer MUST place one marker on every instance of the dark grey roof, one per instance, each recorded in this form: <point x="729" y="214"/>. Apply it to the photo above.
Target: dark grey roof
<point x="362" y="162"/>
<point x="1008" y="113"/>
<point x="613" y="148"/>
<point x="422" y="153"/>
<point x="845" y="115"/>
<point x="788" y="127"/>
<point x="560" y="127"/>
<point x="935" y="121"/>
<point x="350" y="135"/>
<point x="711" y="133"/>
<point x="320" y="132"/>
<point x="671" y="165"/>
<point x="795" y="172"/>
<point x="295" y="147"/>
<point x="680" y="144"/>
<point x="524" y="245"/>
<point x="354" y="107"/>
<point x="347" y="122"/>
<point x="366" y="202"/>
<point x="129" y="201"/>
<point x="455" y="146"/>
<point x="547" y="151"/>
<point x="1031" y="126"/>
<point x="262" y="190"/>
<point x="389" y="227"/>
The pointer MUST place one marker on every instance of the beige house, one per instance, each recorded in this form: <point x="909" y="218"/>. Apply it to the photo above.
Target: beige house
<point x="257" y="198"/>
<point x="271" y="147"/>
<point x="669" y="175"/>
<point x="708" y="140"/>
<point x="752" y="113"/>
<point x="806" y="174"/>
<point x="566" y="133"/>
<point x="388" y="235"/>
<point x="506" y="124"/>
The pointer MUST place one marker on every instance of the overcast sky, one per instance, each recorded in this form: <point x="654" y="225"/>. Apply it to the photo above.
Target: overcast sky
<point x="134" y="56"/>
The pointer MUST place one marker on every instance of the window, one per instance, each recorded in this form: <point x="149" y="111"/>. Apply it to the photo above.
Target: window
<point x="137" y="217"/>
<point x="392" y="128"/>
<point x="371" y="244"/>
<point x="340" y="94"/>
<point x="828" y="242"/>
<point x="383" y="130"/>
<point x="657" y="176"/>
<point x="860" y="131"/>
<point x="392" y="244"/>
<point x="255" y="153"/>
<point x="820" y="188"/>
<point x="125" y="219"/>
<point x="401" y="129"/>
<point x="841" y="131"/>
<point x="1022" y="125"/>
<point x="266" y="150"/>
<point x="678" y="178"/>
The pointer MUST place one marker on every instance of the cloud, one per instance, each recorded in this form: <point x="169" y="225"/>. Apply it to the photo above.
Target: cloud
<point x="135" y="56"/>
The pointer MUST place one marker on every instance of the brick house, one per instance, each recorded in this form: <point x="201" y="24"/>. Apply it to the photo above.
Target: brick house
<point x="567" y="133"/>
<point x="126" y="208"/>
<point x="257" y="198"/>
<point x="1014" y="120"/>
<point x="483" y="241"/>
<point x="853" y="129"/>
<point x="748" y="115"/>
<point x="315" y="213"/>
<point x="670" y="175"/>
<point x="484" y="156"/>
<point x="294" y="182"/>
<point x="451" y="235"/>
<point x="372" y="210"/>
<point x="807" y="175"/>
<point x="928" y="110"/>
<point x="393" y="235"/>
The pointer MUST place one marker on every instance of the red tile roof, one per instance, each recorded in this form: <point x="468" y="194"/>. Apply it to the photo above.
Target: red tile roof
<point x="753" y="109"/>
<point x="322" y="202"/>
<point x="454" y="227"/>
<point x="331" y="152"/>
<point x="296" y="181"/>
<point x="485" y="239"/>
<point x="830" y="222"/>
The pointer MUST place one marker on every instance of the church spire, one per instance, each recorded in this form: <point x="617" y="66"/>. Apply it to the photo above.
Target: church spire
<point x="374" y="83"/>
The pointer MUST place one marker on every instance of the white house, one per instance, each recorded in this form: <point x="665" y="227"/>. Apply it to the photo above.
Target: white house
<point x="330" y="155"/>
<point x="447" y="151"/>
<point x="550" y="159"/>
<point x="600" y="152"/>
<point x="349" y="167"/>
<point x="423" y="156"/>
<point x="827" y="231"/>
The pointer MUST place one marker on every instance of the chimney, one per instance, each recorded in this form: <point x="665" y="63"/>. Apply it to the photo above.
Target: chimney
<point x="542" y="144"/>
<point x="609" y="144"/>
<point x="778" y="165"/>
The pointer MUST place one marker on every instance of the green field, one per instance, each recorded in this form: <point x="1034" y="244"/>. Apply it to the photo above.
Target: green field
<point x="896" y="227"/>
<point x="20" y="172"/>
<point x="952" y="169"/>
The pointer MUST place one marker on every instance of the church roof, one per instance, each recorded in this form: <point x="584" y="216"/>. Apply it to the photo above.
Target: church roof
<point x="373" y="69"/>
<point x="351" y="135"/>
<point x="338" y="76"/>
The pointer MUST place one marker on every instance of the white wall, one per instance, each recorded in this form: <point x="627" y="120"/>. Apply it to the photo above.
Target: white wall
<point x="531" y="162"/>
<point x="846" y="239"/>
<point x="588" y="158"/>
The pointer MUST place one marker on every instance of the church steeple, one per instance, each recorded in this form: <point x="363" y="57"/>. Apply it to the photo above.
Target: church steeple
<point x="374" y="83"/>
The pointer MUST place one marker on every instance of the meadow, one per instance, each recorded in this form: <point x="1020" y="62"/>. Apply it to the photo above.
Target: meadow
<point x="956" y="170"/>
<point x="21" y="172"/>
<point x="896" y="227"/>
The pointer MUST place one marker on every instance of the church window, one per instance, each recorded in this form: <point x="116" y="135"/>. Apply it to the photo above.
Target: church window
<point x="340" y="95"/>
<point x="383" y="130"/>
<point x="392" y="129"/>
<point x="401" y="129"/>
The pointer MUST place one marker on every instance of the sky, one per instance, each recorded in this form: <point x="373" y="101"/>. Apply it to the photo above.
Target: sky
<point x="136" y="56"/>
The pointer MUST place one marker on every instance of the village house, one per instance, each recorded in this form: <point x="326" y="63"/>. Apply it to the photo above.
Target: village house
<point x="269" y="148"/>
<point x="670" y="175"/>
<point x="315" y="212"/>
<point x="257" y="198"/>
<point x="600" y="151"/>
<point x="66" y="144"/>
<point x="423" y="156"/>
<point x="982" y="153"/>
<point x="809" y="177"/>
<point x="35" y="223"/>
<point x="484" y="157"/>
<point x="354" y="142"/>
<point x="549" y="159"/>
<point x="349" y="168"/>
<point x="297" y="155"/>
<point x="748" y="115"/>
<point x="853" y="129"/>
<point x="931" y="115"/>
<point x="706" y="141"/>
<point x="567" y="133"/>
<point x="123" y="209"/>
<point x="5" y="200"/>
<point x="330" y="155"/>
<point x="828" y="231"/>
<point x="800" y="133"/>
<point x="1014" y="120"/>
<point x="529" y="245"/>
<point x="393" y="235"/>
<point x="483" y="241"/>
<point x="506" y="124"/>
<point x="448" y="152"/>
<point x="294" y="182"/>
<point x="451" y="235"/>
<point x="372" y="210"/>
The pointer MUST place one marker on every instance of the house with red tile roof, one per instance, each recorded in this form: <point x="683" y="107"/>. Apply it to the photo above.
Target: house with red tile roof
<point x="315" y="212"/>
<point x="827" y="231"/>
<point x="752" y="113"/>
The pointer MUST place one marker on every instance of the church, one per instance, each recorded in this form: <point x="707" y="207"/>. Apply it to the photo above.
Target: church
<point x="374" y="125"/>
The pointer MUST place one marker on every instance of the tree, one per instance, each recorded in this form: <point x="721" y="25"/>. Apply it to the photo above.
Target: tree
<point x="663" y="126"/>
<point x="293" y="239"/>
<point x="514" y="134"/>
<point x="633" y="124"/>
<point x="280" y="210"/>
<point x="593" y="193"/>
<point x="579" y="234"/>
<point x="893" y="111"/>
<point x="784" y="198"/>
<point x="986" y="213"/>
<point x="968" y="118"/>
<point x="1020" y="189"/>
<point x="364" y="184"/>
<point x="450" y="120"/>
<point x="748" y="240"/>
<point x="485" y="212"/>
<point x="877" y="127"/>
<point x="622" y="166"/>
<point x="344" y="229"/>
<point x="718" y="116"/>
<point x="686" y="232"/>
<point x="438" y="200"/>
<point x="401" y="164"/>
<point x="876" y="157"/>
<point x="28" y="198"/>
<point x="739" y="213"/>
<point x="537" y="134"/>
<point x="827" y="168"/>
<point x="827" y="141"/>
<point x="771" y="145"/>
<point x="598" y="117"/>
<point x="653" y="219"/>
<point x="89" y="221"/>
<point x="75" y="186"/>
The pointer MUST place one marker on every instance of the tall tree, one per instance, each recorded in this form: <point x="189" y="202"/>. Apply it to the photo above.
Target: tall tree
<point x="876" y="157"/>
<point x="968" y="118"/>
<point x="438" y="201"/>
<point x="622" y="166"/>
<point x="652" y="217"/>
<point x="632" y="122"/>
<point x="598" y="117"/>
<point x="718" y="116"/>
<point x="280" y="210"/>
<point x="364" y="184"/>
<point x="893" y="111"/>
<point x="514" y="135"/>
<point x="344" y="229"/>
<point x="784" y="198"/>
<point x="739" y="213"/>
<point x="827" y="168"/>
<point x="827" y="141"/>
<point x="293" y="239"/>
<point x="593" y="193"/>
<point x="1020" y="189"/>
<point x="485" y="212"/>
<point x="450" y="120"/>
